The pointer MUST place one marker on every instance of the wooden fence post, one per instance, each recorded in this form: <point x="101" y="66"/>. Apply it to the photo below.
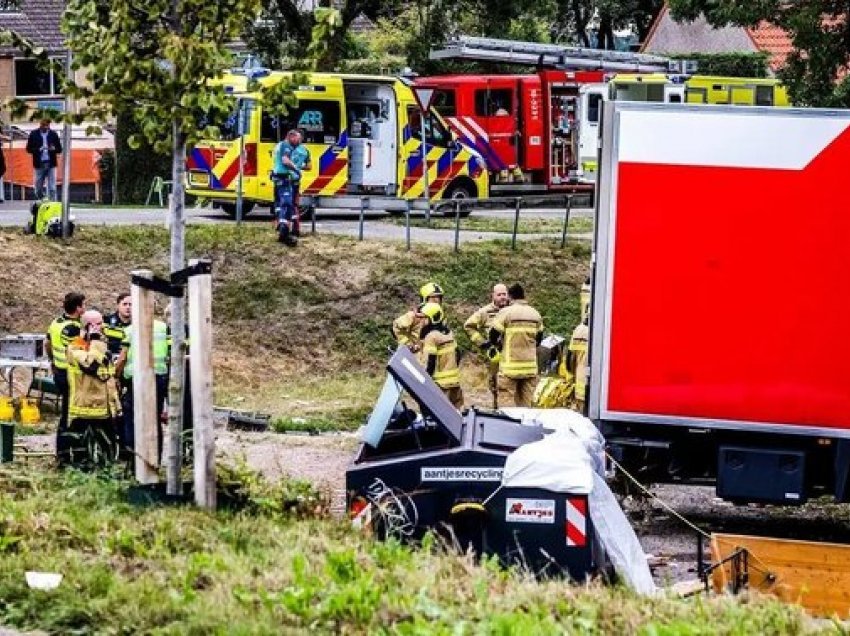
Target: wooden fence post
<point x="200" y="362"/>
<point x="145" y="417"/>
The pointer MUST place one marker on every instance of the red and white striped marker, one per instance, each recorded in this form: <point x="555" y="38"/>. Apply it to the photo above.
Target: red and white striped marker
<point x="576" y="522"/>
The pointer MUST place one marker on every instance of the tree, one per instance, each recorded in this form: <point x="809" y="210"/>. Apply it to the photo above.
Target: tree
<point x="283" y="30"/>
<point x="815" y="72"/>
<point x="156" y="60"/>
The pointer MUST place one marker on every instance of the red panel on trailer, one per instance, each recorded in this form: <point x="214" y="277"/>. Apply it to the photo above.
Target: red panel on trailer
<point x="730" y="270"/>
<point x="533" y="118"/>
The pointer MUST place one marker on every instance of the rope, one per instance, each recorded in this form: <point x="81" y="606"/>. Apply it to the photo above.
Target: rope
<point x="663" y="503"/>
<point x="764" y="569"/>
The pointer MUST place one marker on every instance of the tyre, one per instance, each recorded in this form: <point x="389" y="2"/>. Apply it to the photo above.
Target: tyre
<point x="460" y="190"/>
<point x="230" y="208"/>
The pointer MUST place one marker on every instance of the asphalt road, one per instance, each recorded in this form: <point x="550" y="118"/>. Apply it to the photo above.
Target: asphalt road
<point x="16" y="214"/>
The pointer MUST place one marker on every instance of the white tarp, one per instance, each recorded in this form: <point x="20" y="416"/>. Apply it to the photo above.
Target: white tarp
<point x="571" y="460"/>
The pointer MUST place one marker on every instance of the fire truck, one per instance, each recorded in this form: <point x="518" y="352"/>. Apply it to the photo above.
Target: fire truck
<point x="539" y="131"/>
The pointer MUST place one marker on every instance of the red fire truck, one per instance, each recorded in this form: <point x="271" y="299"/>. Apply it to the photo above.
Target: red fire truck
<point x="533" y="130"/>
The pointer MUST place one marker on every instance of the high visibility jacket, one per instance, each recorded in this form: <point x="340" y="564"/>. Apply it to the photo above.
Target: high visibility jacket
<point x="407" y="328"/>
<point x="443" y="347"/>
<point x="113" y="329"/>
<point x="477" y="326"/>
<point x="520" y="326"/>
<point x="578" y="347"/>
<point x="93" y="393"/>
<point x="60" y="333"/>
<point x="161" y="347"/>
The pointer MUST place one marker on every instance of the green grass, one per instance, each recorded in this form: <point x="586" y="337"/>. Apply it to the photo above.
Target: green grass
<point x="297" y="333"/>
<point x="577" y="225"/>
<point x="280" y="565"/>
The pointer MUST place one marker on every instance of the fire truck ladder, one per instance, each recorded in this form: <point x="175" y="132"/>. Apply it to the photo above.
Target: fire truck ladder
<point x="466" y="47"/>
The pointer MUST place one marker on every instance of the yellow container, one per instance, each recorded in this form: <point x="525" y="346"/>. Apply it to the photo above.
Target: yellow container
<point x="29" y="411"/>
<point x="7" y="409"/>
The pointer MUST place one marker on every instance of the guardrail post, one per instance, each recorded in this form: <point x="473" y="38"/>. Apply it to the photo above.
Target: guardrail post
<point x="407" y="224"/>
<point x="516" y="222"/>
<point x="313" y="219"/>
<point x="566" y="221"/>
<point x="457" y="226"/>
<point x="363" y="203"/>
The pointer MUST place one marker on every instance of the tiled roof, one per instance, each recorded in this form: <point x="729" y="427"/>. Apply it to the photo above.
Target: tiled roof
<point x="38" y="21"/>
<point x="772" y="40"/>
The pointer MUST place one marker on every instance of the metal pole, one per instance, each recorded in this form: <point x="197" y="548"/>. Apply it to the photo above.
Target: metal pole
<point x="516" y="223"/>
<point x="313" y="220"/>
<point x="566" y="221"/>
<point x="457" y="226"/>
<point x="241" y="128"/>
<point x="407" y="224"/>
<point x="66" y="155"/>
<point x="363" y="203"/>
<point x="425" y="172"/>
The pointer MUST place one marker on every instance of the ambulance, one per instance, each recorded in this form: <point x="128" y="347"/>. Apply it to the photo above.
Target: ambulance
<point x="364" y="134"/>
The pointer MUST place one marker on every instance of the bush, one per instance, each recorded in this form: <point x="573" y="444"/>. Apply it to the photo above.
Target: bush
<point x="728" y="64"/>
<point x="136" y="168"/>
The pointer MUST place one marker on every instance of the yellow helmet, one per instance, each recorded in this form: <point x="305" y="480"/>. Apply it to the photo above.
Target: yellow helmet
<point x="434" y="312"/>
<point x="430" y="289"/>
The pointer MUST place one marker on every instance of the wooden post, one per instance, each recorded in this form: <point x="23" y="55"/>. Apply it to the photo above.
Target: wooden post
<point x="144" y="385"/>
<point x="200" y="363"/>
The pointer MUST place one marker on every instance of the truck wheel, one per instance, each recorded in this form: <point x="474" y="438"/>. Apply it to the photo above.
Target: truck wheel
<point x="230" y="208"/>
<point x="459" y="191"/>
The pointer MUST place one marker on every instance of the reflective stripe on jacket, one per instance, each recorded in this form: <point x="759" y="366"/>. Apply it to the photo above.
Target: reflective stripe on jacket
<point x="520" y="325"/>
<point x="444" y="348"/>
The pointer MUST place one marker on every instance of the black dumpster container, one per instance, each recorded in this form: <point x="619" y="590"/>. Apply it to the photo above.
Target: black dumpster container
<point x="444" y="473"/>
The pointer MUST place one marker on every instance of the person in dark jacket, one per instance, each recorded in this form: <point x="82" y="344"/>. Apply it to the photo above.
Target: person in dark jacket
<point x="44" y="146"/>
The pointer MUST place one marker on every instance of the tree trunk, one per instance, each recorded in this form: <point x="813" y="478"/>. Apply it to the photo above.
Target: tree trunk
<point x="174" y="438"/>
<point x="606" y="33"/>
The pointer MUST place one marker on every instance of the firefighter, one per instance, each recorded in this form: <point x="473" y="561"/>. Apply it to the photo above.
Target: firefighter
<point x="60" y="333"/>
<point x="291" y="158"/>
<point x="116" y="323"/>
<point x="477" y="327"/>
<point x="577" y="362"/>
<point x="92" y="393"/>
<point x="440" y="355"/>
<point x="516" y="331"/>
<point x="407" y="328"/>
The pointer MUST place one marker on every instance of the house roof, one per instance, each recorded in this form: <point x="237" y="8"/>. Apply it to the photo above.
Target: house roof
<point x="771" y="39"/>
<point x="38" y="21"/>
<point x="668" y="36"/>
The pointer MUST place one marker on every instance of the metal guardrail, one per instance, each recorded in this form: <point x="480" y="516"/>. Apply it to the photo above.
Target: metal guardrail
<point x="393" y="204"/>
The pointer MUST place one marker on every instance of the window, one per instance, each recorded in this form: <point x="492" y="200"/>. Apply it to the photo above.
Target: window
<point x="317" y="120"/>
<point x="494" y="102"/>
<point x="674" y="98"/>
<point x="444" y="102"/>
<point x="764" y="95"/>
<point x="594" y="101"/>
<point x="10" y="6"/>
<point x="31" y="80"/>
<point x="435" y="132"/>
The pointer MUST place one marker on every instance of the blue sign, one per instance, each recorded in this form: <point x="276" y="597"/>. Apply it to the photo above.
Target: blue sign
<point x="51" y="104"/>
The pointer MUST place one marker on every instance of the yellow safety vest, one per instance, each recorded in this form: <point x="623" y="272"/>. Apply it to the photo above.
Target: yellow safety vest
<point x="443" y="346"/>
<point x="161" y="346"/>
<point x="520" y="324"/>
<point x="59" y="342"/>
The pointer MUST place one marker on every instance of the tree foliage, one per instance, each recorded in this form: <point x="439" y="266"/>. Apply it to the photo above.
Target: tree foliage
<point x="729" y="64"/>
<point x="815" y="72"/>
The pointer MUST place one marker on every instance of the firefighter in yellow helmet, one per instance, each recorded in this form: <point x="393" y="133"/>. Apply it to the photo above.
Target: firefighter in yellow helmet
<point x="440" y="355"/>
<point x="515" y="334"/>
<point x="408" y="327"/>
<point x="477" y="327"/>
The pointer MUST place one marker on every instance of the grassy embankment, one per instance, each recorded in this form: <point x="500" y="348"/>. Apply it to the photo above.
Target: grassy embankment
<point x="577" y="225"/>
<point x="280" y="566"/>
<point x="299" y="333"/>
